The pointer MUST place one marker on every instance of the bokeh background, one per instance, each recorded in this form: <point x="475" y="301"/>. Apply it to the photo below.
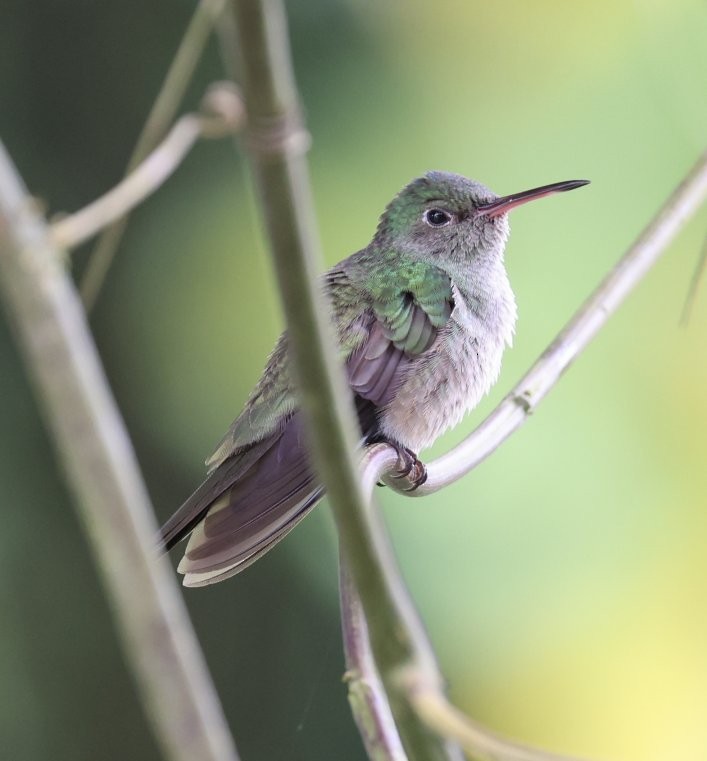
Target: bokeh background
<point x="563" y="582"/>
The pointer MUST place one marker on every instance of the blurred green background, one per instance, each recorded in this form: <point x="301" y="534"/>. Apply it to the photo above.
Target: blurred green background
<point x="563" y="583"/>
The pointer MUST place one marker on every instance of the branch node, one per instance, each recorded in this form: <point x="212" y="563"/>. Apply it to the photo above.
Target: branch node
<point x="222" y="111"/>
<point x="524" y="400"/>
<point x="277" y="136"/>
<point x="350" y="676"/>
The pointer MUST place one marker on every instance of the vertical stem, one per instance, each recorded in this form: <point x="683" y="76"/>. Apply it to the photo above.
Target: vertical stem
<point x="94" y="448"/>
<point x="277" y="143"/>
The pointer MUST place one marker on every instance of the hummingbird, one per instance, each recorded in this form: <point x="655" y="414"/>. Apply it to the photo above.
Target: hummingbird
<point x="422" y="316"/>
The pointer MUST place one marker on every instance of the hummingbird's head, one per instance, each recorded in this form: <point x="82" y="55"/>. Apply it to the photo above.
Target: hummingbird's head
<point x="446" y="219"/>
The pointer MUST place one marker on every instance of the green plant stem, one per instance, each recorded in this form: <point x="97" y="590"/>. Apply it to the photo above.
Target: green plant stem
<point x="277" y="143"/>
<point x="95" y="451"/>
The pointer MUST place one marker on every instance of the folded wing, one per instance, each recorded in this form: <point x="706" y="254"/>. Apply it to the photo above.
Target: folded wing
<point x="260" y="491"/>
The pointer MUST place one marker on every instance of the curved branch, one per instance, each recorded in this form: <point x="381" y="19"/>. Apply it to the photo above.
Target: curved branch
<point x="522" y="401"/>
<point x="72" y="230"/>
<point x="147" y="177"/>
<point x="380" y="459"/>
<point x="481" y="744"/>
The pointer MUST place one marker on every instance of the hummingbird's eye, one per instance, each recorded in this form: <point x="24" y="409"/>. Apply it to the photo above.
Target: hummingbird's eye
<point x="437" y="217"/>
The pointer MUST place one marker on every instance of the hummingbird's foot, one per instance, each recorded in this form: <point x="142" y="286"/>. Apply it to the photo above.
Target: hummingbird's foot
<point x="411" y="468"/>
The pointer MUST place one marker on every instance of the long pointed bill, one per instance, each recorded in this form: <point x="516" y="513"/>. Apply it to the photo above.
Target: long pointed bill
<point x="506" y="203"/>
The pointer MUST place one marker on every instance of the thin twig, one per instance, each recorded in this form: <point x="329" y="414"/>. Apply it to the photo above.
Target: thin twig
<point x="111" y="499"/>
<point x="160" y="117"/>
<point x="476" y="740"/>
<point x="177" y="79"/>
<point x="70" y="231"/>
<point x="522" y="401"/>
<point x="367" y="698"/>
<point x="277" y="142"/>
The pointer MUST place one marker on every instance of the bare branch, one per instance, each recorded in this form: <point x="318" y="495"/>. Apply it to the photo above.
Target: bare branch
<point x="160" y="117"/>
<point x="69" y="232"/>
<point x="522" y="401"/>
<point x="148" y="176"/>
<point x="111" y="499"/>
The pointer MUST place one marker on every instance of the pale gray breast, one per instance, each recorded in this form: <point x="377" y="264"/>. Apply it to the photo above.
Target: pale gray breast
<point x="450" y="379"/>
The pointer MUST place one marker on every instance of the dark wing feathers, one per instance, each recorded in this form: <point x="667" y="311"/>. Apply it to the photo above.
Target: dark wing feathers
<point x="222" y="478"/>
<point x="260" y="492"/>
<point x="251" y="513"/>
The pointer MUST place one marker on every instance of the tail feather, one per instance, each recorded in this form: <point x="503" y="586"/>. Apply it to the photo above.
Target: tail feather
<point x="246" y="505"/>
<point x="197" y="505"/>
<point x="228" y="569"/>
